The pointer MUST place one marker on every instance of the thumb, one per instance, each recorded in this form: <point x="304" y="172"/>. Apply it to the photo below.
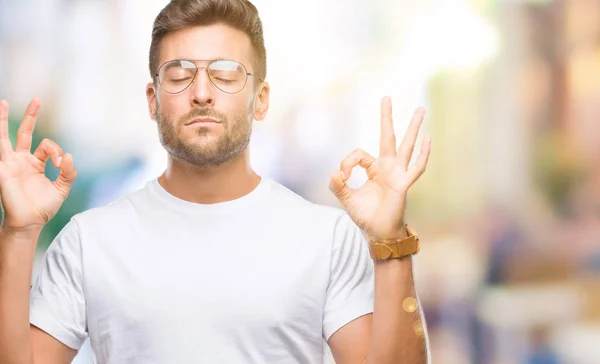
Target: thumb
<point x="67" y="175"/>
<point x="338" y="186"/>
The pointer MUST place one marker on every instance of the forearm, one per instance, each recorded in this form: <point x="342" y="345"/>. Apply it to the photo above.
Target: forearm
<point x="398" y="333"/>
<point x="17" y="251"/>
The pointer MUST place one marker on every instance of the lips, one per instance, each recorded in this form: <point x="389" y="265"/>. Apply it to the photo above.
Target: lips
<point x="202" y="121"/>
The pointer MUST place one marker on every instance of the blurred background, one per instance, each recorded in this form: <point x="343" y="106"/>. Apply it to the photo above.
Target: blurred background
<point x="509" y="209"/>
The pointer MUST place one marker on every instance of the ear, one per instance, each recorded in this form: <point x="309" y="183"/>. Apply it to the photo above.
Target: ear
<point x="261" y="102"/>
<point x="151" y="96"/>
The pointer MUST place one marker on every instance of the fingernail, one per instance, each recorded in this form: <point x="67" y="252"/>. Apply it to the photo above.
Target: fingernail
<point x="343" y="176"/>
<point x="59" y="161"/>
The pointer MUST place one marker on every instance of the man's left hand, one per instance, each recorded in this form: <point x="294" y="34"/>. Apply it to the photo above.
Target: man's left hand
<point x="377" y="207"/>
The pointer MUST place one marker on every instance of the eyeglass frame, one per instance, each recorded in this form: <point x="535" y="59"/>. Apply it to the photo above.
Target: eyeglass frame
<point x="210" y="61"/>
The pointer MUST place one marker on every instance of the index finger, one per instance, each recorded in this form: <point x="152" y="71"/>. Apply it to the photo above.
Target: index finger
<point x="5" y="146"/>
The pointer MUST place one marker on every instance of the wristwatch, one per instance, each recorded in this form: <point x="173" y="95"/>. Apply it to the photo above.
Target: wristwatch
<point x="395" y="249"/>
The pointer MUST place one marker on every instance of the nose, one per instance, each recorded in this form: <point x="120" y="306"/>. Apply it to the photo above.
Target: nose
<point x="202" y="89"/>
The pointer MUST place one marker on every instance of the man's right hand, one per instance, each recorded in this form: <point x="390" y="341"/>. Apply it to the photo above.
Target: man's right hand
<point x="29" y="198"/>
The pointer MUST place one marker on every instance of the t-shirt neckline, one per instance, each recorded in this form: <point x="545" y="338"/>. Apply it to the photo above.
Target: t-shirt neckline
<point x="253" y="197"/>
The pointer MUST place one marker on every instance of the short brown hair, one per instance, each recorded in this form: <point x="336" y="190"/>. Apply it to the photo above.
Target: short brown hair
<point x="238" y="14"/>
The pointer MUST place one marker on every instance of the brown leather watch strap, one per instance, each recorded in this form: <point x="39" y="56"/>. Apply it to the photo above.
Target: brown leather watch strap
<point x="385" y="249"/>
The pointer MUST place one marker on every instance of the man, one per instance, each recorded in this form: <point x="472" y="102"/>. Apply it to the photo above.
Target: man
<point x="210" y="263"/>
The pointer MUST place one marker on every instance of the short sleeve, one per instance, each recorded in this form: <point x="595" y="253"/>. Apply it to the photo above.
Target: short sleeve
<point x="57" y="301"/>
<point x="350" y="293"/>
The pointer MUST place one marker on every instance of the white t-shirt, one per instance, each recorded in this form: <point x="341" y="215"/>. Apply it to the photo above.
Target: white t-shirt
<point x="152" y="278"/>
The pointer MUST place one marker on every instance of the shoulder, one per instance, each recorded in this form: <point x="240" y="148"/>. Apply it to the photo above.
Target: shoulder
<point x="298" y="210"/>
<point x="120" y="211"/>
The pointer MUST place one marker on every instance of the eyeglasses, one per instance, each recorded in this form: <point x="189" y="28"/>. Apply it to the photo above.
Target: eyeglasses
<point x="177" y="75"/>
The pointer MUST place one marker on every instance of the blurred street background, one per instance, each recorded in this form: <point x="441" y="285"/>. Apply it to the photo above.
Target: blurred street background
<point x="509" y="209"/>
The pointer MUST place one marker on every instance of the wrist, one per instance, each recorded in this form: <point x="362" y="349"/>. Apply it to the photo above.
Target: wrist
<point x="395" y="248"/>
<point x="387" y="237"/>
<point x="396" y="234"/>
<point x="21" y="233"/>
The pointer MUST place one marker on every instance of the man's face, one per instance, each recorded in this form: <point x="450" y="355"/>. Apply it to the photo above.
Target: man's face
<point x="207" y="143"/>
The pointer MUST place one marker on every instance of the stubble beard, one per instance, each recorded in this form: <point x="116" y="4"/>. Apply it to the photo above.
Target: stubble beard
<point x="204" y="151"/>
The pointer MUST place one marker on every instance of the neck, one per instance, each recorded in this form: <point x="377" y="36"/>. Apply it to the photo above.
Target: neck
<point x="208" y="185"/>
